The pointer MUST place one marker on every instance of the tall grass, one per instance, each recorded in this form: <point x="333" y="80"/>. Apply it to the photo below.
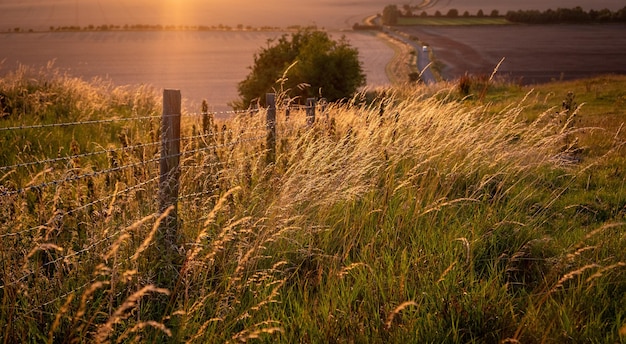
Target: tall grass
<point x="408" y="215"/>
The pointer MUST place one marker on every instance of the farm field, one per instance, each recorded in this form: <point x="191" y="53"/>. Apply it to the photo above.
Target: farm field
<point x="332" y="15"/>
<point x="533" y="53"/>
<point x="203" y="65"/>
<point x="444" y="21"/>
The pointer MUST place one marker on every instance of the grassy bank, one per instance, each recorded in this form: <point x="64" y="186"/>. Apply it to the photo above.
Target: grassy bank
<point x="479" y="217"/>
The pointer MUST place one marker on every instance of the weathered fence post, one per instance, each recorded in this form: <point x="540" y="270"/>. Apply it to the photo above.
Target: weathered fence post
<point x="310" y="111"/>
<point x="169" y="169"/>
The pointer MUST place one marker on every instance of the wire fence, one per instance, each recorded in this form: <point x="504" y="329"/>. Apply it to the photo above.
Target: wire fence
<point x="57" y="213"/>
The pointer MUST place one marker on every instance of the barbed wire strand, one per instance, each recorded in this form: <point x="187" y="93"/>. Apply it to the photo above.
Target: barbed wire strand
<point x="95" y="121"/>
<point x="108" y="151"/>
<point x="97" y="173"/>
<point x="227" y="112"/>
<point x="78" y="156"/>
<point x="229" y="131"/>
<point x="78" y="177"/>
<point x="76" y="253"/>
<point x="295" y="107"/>
<point x="225" y="162"/>
<point x="117" y="150"/>
<point x="230" y="144"/>
<point x="186" y="197"/>
<point x="93" y="280"/>
<point x="84" y="206"/>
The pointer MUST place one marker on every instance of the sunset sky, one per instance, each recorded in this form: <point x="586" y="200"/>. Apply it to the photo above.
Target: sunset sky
<point x="332" y="14"/>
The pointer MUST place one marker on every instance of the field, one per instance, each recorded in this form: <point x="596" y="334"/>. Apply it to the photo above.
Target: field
<point x="333" y="15"/>
<point x="439" y="21"/>
<point x="414" y="214"/>
<point x="204" y="65"/>
<point x="533" y="54"/>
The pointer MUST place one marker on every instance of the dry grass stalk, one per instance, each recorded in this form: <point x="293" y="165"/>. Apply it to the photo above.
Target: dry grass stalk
<point x="571" y="275"/>
<point x="397" y="311"/>
<point x="201" y="331"/>
<point x="82" y="309"/>
<point x="144" y="245"/>
<point x="34" y="179"/>
<point x="249" y="334"/>
<point x="43" y="247"/>
<point x="202" y="235"/>
<point x="111" y="208"/>
<point x="601" y="272"/>
<point x="40" y="247"/>
<point x="271" y="298"/>
<point x="225" y="236"/>
<point x="446" y="271"/>
<point x="59" y="315"/>
<point x="116" y="246"/>
<point x="140" y="326"/>
<point x="578" y="252"/>
<point x="346" y="270"/>
<point x="105" y="330"/>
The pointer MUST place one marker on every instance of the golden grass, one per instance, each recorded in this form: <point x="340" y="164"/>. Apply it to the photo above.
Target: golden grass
<point x="251" y="231"/>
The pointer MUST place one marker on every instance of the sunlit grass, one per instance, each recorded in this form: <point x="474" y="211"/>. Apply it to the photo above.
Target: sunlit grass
<point x="405" y="214"/>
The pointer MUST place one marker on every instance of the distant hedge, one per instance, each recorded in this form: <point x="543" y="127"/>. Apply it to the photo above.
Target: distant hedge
<point x="565" y="15"/>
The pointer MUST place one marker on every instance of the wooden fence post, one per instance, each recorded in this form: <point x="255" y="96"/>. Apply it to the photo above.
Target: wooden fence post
<point x="270" y="122"/>
<point x="310" y="111"/>
<point x="169" y="166"/>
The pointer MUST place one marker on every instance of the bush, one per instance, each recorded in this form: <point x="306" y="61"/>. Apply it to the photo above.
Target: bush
<point x="307" y="64"/>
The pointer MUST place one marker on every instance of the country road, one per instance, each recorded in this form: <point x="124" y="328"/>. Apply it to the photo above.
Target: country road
<point x="423" y="58"/>
<point x="424" y="63"/>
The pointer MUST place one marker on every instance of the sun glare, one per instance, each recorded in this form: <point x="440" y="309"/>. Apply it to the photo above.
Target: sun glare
<point x="175" y="11"/>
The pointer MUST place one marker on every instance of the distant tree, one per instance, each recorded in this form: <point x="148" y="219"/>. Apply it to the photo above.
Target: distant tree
<point x="466" y="14"/>
<point x="408" y="11"/>
<point x="390" y="15"/>
<point x="452" y="13"/>
<point x="437" y="14"/>
<point x="620" y="15"/>
<point x="480" y="13"/>
<point x="495" y="13"/>
<point x="603" y="15"/>
<point x="423" y="14"/>
<point x="329" y="67"/>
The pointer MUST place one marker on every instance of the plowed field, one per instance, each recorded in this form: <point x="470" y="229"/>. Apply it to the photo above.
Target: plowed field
<point x="533" y="53"/>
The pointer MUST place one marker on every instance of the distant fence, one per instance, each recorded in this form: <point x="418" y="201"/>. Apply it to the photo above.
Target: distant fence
<point x="168" y="183"/>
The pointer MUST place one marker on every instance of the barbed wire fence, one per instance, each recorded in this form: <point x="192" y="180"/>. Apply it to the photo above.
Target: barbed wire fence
<point x="188" y="172"/>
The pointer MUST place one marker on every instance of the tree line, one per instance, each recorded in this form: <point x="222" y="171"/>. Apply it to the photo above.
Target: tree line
<point x="391" y="13"/>
<point x="567" y="15"/>
<point x="159" y="27"/>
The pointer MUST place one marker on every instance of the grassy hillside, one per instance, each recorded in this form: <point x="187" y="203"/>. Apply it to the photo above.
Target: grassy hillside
<point x="412" y="214"/>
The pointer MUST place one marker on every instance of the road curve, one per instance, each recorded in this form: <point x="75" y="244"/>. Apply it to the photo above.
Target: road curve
<point x="421" y="52"/>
